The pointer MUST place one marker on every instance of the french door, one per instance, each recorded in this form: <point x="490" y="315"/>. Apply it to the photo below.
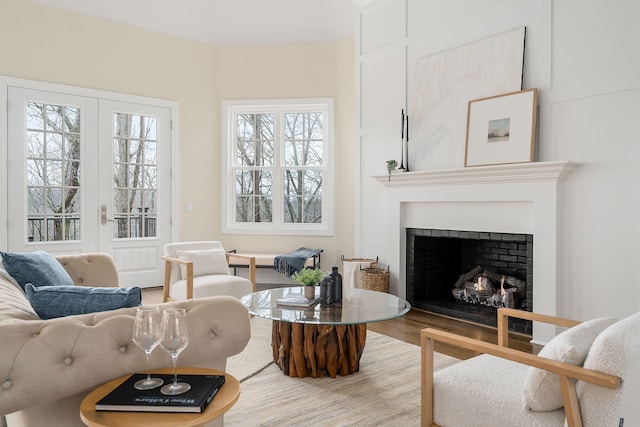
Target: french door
<point x="88" y="174"/>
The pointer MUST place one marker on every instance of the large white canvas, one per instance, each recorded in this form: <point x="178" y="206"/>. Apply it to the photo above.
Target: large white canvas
<point x="444" y="84"/>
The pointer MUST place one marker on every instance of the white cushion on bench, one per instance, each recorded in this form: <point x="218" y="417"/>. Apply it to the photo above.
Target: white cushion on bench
<point x="261" y="259"/>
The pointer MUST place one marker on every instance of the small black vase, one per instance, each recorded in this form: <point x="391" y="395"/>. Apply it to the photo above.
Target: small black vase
<point x="337" y="284"/>
<point x="326" y="291"/>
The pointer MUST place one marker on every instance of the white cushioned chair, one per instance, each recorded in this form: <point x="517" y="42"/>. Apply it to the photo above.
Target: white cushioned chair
<point x="201" y="269"/>
<point x="583" y="377"/>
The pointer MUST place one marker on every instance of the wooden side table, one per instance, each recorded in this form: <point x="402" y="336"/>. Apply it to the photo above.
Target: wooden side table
<point x="225" y="399"/>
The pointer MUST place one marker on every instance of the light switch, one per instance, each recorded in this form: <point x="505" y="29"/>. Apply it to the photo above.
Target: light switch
<point x="188" y="207"/>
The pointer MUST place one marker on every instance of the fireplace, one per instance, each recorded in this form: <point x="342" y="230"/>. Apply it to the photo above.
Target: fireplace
<point x="511" y="199"/>
<point x="468" y="274"/>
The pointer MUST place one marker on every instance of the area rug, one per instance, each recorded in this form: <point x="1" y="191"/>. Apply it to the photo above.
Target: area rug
<point x="385" y="392"/>
<point x="256" y="355"/>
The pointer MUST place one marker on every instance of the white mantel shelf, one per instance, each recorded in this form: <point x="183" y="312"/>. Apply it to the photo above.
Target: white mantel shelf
<point x="555" y="171"/>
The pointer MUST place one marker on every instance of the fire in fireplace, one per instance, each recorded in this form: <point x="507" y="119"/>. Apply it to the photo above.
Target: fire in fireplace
<point x="468" y="274"/>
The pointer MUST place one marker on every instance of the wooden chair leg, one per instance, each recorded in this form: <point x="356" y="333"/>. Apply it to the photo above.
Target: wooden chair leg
<point x="189" y="280"/>
<point x="252" y="273"/>
<point x="426" y="381"/>
<point x="167" y="277"/>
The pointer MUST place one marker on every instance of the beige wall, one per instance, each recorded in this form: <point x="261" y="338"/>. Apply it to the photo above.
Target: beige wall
<point x="51" y="45"/>
<point x="298" y="71"/>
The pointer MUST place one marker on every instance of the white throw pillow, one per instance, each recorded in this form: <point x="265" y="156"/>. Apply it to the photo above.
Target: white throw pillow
<point x="541" y="391"/>
<point x="616" y="351"/>
<point x="205" y="261"/>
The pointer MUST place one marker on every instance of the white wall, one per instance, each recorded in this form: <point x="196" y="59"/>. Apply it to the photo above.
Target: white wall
<point x="311" y="70"/>
<point x="582" y="58"/>
<point x="595" y="119"/>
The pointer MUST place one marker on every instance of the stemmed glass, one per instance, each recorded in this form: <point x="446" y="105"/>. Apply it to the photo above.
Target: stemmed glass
<point x="146" y="335"/>
<point x="174" y="339"/>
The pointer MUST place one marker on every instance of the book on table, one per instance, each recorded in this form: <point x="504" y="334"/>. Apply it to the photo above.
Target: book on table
<point x="297" y="301"/>
<point x="126" y="397"/>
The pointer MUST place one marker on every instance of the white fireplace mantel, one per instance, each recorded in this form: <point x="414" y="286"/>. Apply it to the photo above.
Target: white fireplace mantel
<point x="514" y="198"/>
<point x="510" y="173"/>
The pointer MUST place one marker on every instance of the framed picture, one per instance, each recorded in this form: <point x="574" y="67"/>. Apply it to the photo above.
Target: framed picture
<point x="501" y="129"/>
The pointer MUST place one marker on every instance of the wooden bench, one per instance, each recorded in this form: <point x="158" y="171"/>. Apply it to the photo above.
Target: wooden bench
<point x="264" y="260"/>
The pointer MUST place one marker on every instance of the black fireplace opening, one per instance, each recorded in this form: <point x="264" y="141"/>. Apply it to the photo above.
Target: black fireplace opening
<point x="468" y="274"/>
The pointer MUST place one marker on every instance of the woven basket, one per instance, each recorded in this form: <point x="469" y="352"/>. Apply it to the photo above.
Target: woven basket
<point x="373" y="263"/>
<point x="374" y="279"/>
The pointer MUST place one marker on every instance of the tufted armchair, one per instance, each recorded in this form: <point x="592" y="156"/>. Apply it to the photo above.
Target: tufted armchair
<point x="48" y="366"/>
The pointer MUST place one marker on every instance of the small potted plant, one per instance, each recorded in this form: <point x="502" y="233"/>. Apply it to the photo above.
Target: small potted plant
<point x="391" y="165"/>
<point x="309" y="278"/>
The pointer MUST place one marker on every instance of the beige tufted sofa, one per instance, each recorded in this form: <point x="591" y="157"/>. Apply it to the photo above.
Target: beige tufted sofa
<point x="48" y="366"/>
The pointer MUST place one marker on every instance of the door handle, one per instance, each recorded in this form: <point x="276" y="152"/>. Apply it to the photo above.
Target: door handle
<point x="103" y="215"/>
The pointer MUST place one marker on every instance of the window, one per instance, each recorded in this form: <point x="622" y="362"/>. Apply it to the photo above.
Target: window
<point x="134" y="175"/>
<point x="53" y="162"/>
<point x="278" y="176"/>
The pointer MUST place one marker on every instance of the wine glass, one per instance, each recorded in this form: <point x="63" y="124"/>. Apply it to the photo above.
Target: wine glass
<point x="146" y="335"/>
<point x="174" y="339"/>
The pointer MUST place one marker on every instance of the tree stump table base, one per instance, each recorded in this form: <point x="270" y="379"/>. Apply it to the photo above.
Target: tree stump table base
<point x="311" y="350"/>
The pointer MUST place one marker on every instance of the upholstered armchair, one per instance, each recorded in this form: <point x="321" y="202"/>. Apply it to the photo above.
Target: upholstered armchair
<point x="585" y="375"/>
<point x="201" y="269"/>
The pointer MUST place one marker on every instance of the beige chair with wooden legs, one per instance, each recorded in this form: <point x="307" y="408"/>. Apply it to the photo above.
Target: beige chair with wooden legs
<point x="587" y="375"/>
<point x="201" y="269"/>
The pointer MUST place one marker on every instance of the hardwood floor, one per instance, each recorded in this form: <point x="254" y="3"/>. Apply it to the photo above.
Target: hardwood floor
<point x="407" y="328"/>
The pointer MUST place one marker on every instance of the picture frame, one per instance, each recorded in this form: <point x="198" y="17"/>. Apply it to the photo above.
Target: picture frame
<point x="501" y="129"/>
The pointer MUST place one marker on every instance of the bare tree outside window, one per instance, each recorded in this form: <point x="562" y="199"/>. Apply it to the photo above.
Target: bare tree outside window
<point x="134" y="176"/>
<point x="303" y="175"/>
<point x="300" y="139"/>
<point x="53" y="172"/>
<point x="254" y="178"/>
<point x="278" y="168"/>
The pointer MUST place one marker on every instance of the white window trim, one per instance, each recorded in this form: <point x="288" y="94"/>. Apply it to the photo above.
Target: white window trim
<point x="229" y="225"/>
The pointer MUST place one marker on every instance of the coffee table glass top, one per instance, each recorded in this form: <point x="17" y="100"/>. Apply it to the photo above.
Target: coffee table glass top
<point x="357" y="306"/>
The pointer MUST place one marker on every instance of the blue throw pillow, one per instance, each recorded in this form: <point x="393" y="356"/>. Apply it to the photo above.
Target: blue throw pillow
<point x="60" y="301"/>
<point x="38" y="268"/>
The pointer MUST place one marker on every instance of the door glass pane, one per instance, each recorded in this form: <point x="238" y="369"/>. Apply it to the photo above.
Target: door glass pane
<point x="134" y="176"/>
<point x="53" y="179"/>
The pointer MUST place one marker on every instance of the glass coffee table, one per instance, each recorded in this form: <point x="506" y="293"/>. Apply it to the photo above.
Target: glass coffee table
<point x="323" y="339"/>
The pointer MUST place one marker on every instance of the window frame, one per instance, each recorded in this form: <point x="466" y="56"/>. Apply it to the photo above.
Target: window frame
<point x="279" y="107"/>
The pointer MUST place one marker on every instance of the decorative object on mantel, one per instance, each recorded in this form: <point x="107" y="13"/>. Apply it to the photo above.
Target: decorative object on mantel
<point x="404" y="142"/>
<point x="501" y="129"/>
<point x="391" y="165"/>
<point x="443" y="83"/>
<point x="405" y="145"/>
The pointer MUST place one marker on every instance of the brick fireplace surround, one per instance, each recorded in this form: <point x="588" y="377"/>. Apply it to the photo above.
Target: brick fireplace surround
<point x="514" y="198"/>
